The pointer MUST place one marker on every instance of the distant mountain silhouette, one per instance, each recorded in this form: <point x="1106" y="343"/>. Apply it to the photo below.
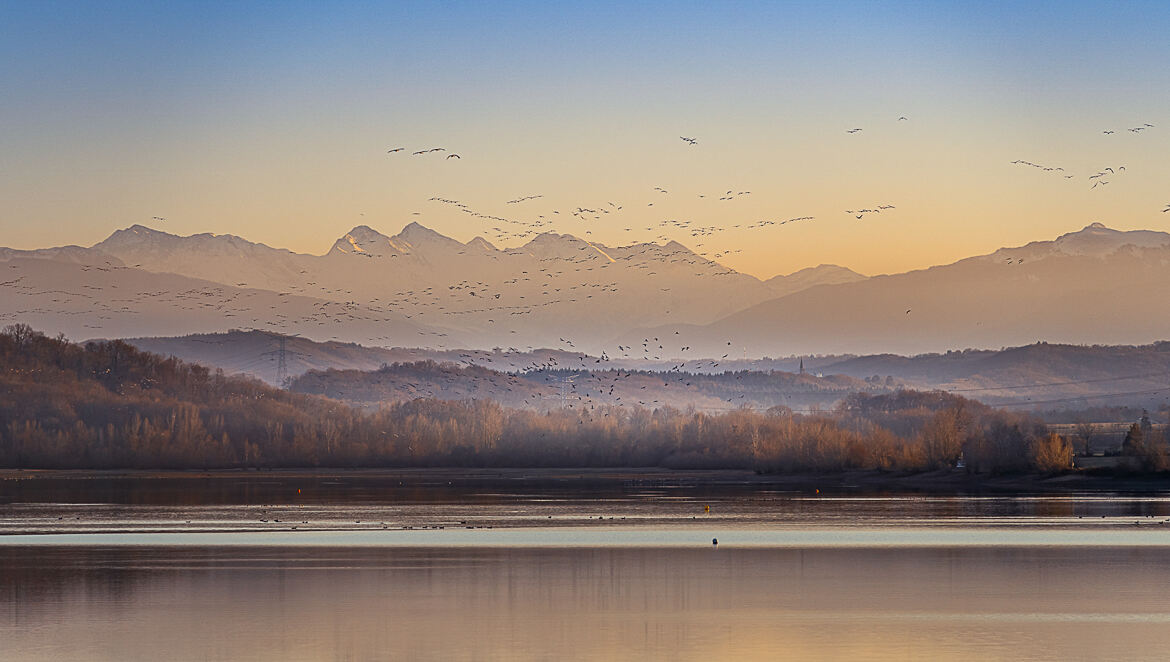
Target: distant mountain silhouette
<point x="825" y="274"/>
<point x="419" y="288"/>
<point x="555" y="286"/>
<point x="105" y="299"/>
<point x="1093" y="286"/>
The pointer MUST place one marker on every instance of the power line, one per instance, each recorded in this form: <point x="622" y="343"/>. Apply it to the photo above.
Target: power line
<point x="1026" y="403"/>
<point x="563" y="395"/>
<point x="281" y="353"/>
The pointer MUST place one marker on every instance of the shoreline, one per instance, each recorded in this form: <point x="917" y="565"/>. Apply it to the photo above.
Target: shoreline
<point x="941" y="482"/>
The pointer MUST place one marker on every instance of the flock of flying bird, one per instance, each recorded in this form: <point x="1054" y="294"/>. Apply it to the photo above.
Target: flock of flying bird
<point x="560" y="281"/>
<point x="421" y="152"/>
<point x="1135" y="129"/>
<point x="524" y="228"/>
<point x="1097" y="178"/>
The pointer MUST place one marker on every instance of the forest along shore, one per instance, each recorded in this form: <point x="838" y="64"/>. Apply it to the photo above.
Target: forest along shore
<point x="107" y="405"/>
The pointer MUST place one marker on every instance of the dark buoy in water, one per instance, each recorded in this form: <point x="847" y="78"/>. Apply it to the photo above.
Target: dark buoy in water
<point x="715" y="542"/>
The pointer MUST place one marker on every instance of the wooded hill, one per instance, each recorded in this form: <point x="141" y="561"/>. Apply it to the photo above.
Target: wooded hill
<point x="547" y="388"/>
<point x="108" y="405"/>
<point x="1047" y="377"/>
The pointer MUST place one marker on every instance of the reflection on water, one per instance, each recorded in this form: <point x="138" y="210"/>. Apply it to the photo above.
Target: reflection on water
<point x="361" y="603"/>
<point x="435" y="566"/>
<point x="443" y="500"/>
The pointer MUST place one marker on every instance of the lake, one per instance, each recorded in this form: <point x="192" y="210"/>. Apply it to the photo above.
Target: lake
<point x="565" y="565"/>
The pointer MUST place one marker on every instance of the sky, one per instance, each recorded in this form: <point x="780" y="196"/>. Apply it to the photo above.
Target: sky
<point x="273" y="121"/>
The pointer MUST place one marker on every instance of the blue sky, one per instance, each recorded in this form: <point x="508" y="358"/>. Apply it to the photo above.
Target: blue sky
<point x="271" y="120"/>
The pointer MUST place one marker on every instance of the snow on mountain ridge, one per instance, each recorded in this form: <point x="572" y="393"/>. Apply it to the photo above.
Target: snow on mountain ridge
<point x="142" y="239"/>
<point x="364" y="240"/>
<point x="1095" y="239"/>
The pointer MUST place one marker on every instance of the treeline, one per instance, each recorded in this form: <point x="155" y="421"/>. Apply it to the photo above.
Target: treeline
<point x="108" y="405"/>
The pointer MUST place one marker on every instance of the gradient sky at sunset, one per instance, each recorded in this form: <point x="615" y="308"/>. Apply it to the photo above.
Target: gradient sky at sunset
<point x="271" y="120"/>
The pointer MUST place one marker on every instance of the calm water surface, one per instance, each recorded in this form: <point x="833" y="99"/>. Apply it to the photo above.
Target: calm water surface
<point x="133" y="569"/>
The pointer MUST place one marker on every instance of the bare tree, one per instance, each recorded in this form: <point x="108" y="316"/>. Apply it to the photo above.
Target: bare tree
<point x="1086" y="431"/>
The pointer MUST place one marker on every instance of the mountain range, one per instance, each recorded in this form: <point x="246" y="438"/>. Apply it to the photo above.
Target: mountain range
<point x="644" y="301"/>
<point x="1094" y="286"/>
